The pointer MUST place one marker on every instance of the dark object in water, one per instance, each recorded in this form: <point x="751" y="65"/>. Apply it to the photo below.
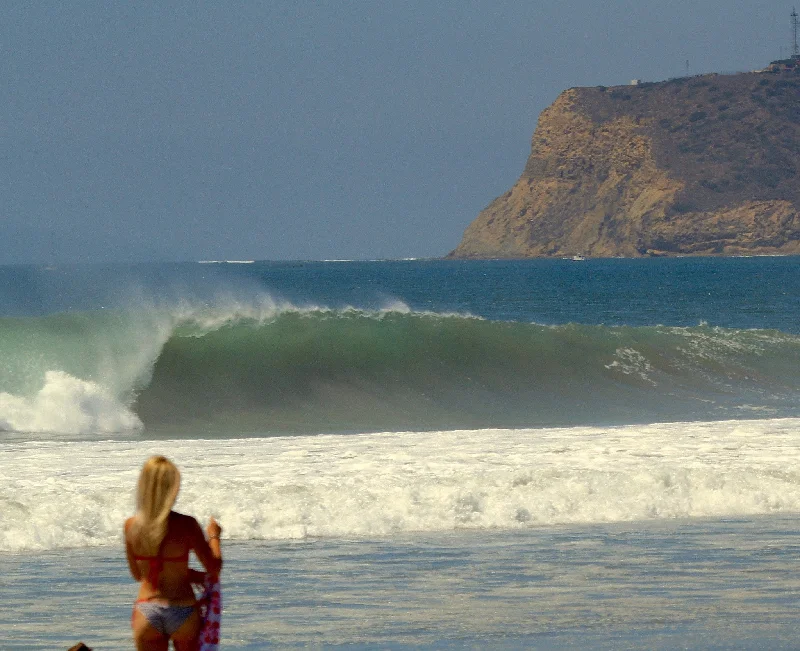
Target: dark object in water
<point x="80" y="646"/>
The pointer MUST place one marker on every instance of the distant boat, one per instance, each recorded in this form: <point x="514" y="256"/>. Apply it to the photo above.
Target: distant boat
<point x="577" y="258"/>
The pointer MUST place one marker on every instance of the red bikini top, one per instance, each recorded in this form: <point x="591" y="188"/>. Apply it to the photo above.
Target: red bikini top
<point x="157" y="563"/>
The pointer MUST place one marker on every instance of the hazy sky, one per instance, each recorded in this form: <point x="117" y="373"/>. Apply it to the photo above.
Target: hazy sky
<point x="170" y="130"/>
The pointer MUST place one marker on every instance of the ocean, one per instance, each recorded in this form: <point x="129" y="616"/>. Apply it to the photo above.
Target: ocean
<point x="418" y="453"/>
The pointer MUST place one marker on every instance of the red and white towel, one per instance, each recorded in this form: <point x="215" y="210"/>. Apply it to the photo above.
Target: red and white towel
<point x="211" y="612"/>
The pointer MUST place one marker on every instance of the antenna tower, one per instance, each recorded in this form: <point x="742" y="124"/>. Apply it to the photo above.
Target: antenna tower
<point x="795" y="49"/>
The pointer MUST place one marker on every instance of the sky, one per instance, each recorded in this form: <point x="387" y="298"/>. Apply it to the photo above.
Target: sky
<point x="347" y="129"/>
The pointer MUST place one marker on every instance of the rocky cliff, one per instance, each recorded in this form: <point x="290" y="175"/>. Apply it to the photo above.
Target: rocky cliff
<point x="702" y="165"/>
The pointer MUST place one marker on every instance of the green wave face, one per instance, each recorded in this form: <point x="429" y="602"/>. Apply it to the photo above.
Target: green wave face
<point x="292" y="370"/>
<point x="324" y="371"/>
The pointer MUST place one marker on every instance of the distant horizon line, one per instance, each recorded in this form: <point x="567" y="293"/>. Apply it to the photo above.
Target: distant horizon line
<point x="99" y="263"/>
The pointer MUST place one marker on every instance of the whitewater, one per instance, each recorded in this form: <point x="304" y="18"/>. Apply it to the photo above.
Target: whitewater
<point x="367" y="485"/>
<point x="540" y="454"/>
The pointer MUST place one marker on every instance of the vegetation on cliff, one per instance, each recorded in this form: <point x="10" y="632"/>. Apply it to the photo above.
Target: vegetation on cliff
<point x="702" y="165"/>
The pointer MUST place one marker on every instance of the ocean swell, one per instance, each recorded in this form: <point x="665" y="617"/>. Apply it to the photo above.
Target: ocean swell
<point x="269" y="368"/>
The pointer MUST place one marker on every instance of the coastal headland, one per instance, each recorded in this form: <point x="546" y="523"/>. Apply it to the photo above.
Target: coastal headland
<point x="704" y="165"/>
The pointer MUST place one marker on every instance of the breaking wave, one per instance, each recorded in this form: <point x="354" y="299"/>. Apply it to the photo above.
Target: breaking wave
<point x="277" y="368"/>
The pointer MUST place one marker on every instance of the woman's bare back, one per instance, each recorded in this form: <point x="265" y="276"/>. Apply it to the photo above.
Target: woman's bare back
<point x="166" y="575"/>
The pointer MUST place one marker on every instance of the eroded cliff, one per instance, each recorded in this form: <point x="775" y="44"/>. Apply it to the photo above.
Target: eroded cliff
<point x="704" y="165"/>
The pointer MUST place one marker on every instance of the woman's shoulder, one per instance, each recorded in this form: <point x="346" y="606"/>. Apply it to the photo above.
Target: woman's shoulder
<point x="182" y="520"/>
<point x="185" y="527"/>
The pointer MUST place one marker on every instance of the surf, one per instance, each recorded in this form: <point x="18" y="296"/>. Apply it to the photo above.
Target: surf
<point x="393" y="483"/>
<point x="270" y="367"/>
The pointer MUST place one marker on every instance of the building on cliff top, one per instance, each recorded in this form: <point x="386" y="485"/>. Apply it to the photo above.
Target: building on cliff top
<point x="792" y="64"/>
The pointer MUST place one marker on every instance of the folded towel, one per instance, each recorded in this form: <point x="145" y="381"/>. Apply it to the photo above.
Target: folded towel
<point x="211" y="612"/>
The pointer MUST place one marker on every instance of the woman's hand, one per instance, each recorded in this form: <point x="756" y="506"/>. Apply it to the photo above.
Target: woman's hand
<point x="213" y="529"/>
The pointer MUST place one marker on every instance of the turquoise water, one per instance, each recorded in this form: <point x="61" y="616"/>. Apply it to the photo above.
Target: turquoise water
<point x="483" y="454"/>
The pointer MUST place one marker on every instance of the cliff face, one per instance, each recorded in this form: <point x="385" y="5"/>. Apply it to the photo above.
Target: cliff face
<point x="705" y="165"/>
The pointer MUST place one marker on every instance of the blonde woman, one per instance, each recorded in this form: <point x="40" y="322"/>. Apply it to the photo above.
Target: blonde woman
<point x="157" y="542"/>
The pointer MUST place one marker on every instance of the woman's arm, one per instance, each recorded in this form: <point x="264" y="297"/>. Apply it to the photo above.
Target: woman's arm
<point x="208" y="551"/>
<point x="132" y="564"/>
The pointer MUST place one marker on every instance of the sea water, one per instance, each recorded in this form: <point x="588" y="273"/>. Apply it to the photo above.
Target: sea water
<point x="527" y="454"/>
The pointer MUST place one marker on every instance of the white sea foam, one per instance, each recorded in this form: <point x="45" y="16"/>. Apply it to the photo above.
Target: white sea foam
<point x="632" y="362"/>
<point x="68" y="405"/>
<point x="85" y="380"/>
<point x="55" y="494"/>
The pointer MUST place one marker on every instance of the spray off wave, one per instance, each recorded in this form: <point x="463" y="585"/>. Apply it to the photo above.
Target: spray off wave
<point x="271" y="368"/>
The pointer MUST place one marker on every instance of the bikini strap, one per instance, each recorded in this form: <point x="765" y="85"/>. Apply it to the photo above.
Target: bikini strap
<point x="156" y="564"/>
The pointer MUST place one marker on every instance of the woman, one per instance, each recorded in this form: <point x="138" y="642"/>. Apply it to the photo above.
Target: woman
<point x="157" y="542"/>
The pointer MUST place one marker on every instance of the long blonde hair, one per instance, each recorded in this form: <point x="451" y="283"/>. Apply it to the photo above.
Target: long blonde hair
<point x="156" y="492"/>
